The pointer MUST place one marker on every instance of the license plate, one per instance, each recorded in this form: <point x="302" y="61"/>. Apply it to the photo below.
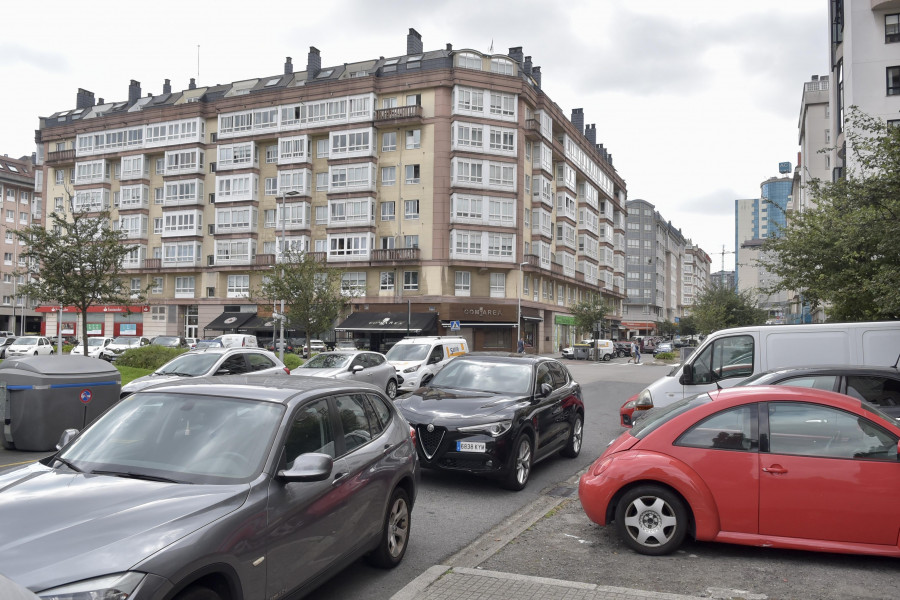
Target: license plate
<point x="470" y="446"/>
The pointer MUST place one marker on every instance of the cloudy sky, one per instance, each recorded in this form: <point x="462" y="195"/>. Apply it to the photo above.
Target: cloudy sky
<point x="697" y="100"/>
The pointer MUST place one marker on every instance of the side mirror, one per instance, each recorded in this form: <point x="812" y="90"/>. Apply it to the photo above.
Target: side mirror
<point x="358" y="368"/>
<point x="65" y="438"/>
<point x="546" y="389"/>
<point x="687" y="374"/>
<point x="223" y="372"/>
<point x="308" y="467"/>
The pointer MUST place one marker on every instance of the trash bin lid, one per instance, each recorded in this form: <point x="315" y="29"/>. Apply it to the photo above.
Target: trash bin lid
<point x="58" y="366"/>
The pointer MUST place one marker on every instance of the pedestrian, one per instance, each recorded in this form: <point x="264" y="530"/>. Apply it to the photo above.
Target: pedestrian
<point x="637" y="353"/>
<point x="520" y="347"/>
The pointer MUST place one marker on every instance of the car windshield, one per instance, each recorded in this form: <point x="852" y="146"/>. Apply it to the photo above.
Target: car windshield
<point x="485" y="376"/>
<point x="653" y="418"/>
<point x="166" y="341"/>
<point x="26" y="341"/>
<point x="189" y="364"/>
<point x="180" y="437"/>
<point x="95" y="342"/>
<point x="327" y="361"/>
<point x="127" y="341"/>
<point x="408" y="352"/>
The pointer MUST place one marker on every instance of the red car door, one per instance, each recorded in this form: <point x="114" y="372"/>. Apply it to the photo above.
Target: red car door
<point x="828" y="475"/>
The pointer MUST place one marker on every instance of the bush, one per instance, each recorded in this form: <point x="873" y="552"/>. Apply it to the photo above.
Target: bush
<point x="292" y="361"/>
<point x="666" y="356"/>
<point x="148" y="357"/>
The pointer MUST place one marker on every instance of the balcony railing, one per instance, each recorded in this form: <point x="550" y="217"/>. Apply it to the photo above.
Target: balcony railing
<point x="532" y="129"/>
<point x="396" y="255"/>
<point x="398" y="114"/>
<point x="61" y="157"/>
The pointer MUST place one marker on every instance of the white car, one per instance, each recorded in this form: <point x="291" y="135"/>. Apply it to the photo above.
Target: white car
<point x="357" y="365"/>
<point x="211" y="361"/>
<point x="120" y="344"/>
<point x="29" y="345"/>
<point x="95" y="346"/>
<point x="314" y="346"/>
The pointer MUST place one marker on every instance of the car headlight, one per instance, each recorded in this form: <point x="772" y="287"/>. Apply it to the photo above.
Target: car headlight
<point x="110" y="587"/>
<point x="411" y="369"/>
<point x="495" y="429"/>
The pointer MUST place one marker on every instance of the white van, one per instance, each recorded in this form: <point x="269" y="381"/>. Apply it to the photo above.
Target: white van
<point x="729" y="356"/>
<point x="418" y="359"/>
<point x="238" y="340"/>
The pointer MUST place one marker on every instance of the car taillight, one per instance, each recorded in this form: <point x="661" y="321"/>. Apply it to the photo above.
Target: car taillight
<point x="286" y="370"/>
<point x="412" y="434"/>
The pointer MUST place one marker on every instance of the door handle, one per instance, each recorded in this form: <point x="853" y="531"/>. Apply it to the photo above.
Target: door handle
<point x="775" y="469"/>
<point x="339" y="477"/>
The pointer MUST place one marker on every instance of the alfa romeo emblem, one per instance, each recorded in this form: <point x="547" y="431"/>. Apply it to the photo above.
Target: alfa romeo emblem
<point x="430" y="427"/>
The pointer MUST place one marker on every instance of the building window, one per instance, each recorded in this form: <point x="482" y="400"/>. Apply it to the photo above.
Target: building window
<point x="238" y="286"/>
<point x="387" y="281"/>
<point x="468" y="60"/>
<point x="412" y="174"/>
<point x="893" y="81"/>
<point x="413" y="139"/>
<point x="321" y="215"/>
<point x="410" y="209"/>
<point x="389" y="141"/>
<point x="410" y="280"/>
<point x="184" y="287"/>
<point x="463" y="283"/>
<point x="498" y="285"/>
<point x="388" y="175"/>
<point x="321" y="182"/>
<point x="891" y="28"/>
<point x="388" y="211"/>
<point x="157" y="288"/>
<point x="60" y="176"/>
<point x="353" y="283"/>
<point x="501" y="66"/>
<point x="389" y="103"/>
<point x="272" y="154"/>
<point x="410" y="241"/>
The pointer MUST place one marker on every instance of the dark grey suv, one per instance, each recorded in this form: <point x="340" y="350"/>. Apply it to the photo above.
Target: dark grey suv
<point x="215" y="489"/>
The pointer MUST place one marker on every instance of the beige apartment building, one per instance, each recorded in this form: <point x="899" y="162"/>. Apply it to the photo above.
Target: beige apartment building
<point x="452" y="193"/>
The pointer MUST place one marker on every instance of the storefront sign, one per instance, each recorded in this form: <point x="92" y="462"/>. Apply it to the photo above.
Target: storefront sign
<point x="564" y="319"/>
<point x="482" y="312"/>
<point x="95" y="328"/>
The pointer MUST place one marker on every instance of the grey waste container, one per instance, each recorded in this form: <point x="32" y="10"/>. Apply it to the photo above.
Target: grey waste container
<point x="42" y="396"/>
<point x="582" y="351"/>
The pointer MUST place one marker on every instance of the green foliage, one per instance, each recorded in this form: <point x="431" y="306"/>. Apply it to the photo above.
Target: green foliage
<point x="666" y="356"/>
<point x="844" y="252"/>
<point x="588" y="313"/>
<point x="132" y="373"/>
<point x="667" y="328"/>
<point x="292" y="361"/>
<point x="310" y="289"/>
<point x="148" y="357"/>
<point x="687" y="326"/>
<point x="721" y="307"/>
<point x="75" y="261"/>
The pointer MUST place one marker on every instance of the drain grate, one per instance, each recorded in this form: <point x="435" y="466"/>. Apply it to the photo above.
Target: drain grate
<point x="562" y="491"/>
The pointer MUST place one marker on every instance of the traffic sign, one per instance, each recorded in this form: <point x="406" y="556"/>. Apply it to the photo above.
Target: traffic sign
<point x="454" y="325"/>
<point x="85" y="396"/>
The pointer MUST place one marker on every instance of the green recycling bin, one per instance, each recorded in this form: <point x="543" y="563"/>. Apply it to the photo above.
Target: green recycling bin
<point x="42" y="396"/>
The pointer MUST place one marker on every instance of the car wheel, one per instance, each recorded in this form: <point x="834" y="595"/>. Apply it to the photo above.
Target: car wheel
<point x="198" y="592"/>
<point x="35" y="353"/>
<point x="651" y="520"/>
<point x="425" y="380"/>
<point x="576" y="435"/>
<point x="395" y="534"/>
<point x="519" y="468"/>
<point x="607" y="357"/>
<point x="391" y="389"/>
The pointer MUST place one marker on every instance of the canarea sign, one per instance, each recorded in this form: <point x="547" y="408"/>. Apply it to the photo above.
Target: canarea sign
<point x="100" y="308"/>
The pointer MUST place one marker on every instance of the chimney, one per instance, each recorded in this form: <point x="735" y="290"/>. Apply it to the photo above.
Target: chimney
<point x="590" y="132"/>
<point x="449" y="47"/>
<point x="192" y="85"/>
<point x="528" y="65"/>
<point x="815" y="77"/>
<point x="609" y="159"/>
<point x="578" y="119"/>
<point x="167" y="87"/>
<point x="413" y="42"/>
<point x="100" y="102"/>
<point x="134" y="91"/>
<point x="516" y="55"/>
<point x="313" y="63"/>
<point x="84" y="99"/>
<point x="536" y="75"/>
<point x="288" y="66"/>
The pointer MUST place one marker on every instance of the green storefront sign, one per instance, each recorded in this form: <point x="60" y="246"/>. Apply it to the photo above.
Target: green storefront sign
<point x="564" y="319"/>
<point x="94" y="328"/>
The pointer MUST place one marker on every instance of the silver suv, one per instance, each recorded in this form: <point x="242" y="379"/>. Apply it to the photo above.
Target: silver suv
<point x="211" y="361"/>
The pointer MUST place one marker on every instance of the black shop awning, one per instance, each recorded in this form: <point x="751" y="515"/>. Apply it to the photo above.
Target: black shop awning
<point x="387" y="322"/>
<point x="230" y="321"/>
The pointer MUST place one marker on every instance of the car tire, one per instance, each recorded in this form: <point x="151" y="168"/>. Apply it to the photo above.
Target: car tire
<point x="426" y="380"/>
<point x="391" y="389"/>
<point x="607" y="357"/>
<point x="576" y="438"/>
<point x="520" y="462"/>
<point x="651" y="520"/>
<point x="35" y="353"/>
<point x="198" y="592"/>
<point x="395" y="533"/>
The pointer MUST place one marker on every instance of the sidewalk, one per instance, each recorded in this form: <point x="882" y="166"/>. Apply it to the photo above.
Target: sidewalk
<point x="461" y="583"/>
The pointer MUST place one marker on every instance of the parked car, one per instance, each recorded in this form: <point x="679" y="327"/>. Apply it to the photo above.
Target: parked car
<point x="362" y="366"/>
<point x="208" y="343"/>
<point x="313" y="347"/>
<point x="242" y="340"/>
<point x="663" y="347"/>
<point x="345" y="345"/>
<point x="179" y="492"/>
<point x="275" y="346"/>
<point x="95" y="346"/>
<point x="120" y="344"/>
<point x="169" y="341"/>
<point x="770" y="466"/>
<point x="29" y="345"/>
<point x="207" y="362"/>
<point x="419" y="358"/>
<point x="191" y="342"/>
<point x="496" y="415"/>
<point x="622" y="349"/>
<point x="4" y="344"/>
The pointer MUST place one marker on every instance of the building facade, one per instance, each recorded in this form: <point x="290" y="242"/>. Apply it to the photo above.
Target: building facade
<point x="696" y="276"/>
<point x="814" y="127"/>
<point x="20" y="207"/>
<point x="865" y="67"/>
<point x="444" y="184"/>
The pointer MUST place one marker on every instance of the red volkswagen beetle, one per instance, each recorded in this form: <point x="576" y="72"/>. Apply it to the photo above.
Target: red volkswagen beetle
<point x="778" y="466"/>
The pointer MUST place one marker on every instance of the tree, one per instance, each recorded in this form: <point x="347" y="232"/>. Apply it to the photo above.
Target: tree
<point x="721" y="307"/>
<point x="76" y="262"/>
<point x="667" y="328"/>
<point x="845" y="251"/>
<point x="589" y="312"/>
<point x="687" y="326"/>
<point x="311" y="292"/>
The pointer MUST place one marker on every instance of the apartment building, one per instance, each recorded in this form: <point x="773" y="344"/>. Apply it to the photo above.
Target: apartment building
<point x="865" y="67"/>
<point x="814" y="127"/>
<point x="451" y="191"/>
<point x="19" y="207"/>
<point x="696" y="276"/>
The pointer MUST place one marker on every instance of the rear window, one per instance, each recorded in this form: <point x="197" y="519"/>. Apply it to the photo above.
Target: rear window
<point x="656" y="417"/>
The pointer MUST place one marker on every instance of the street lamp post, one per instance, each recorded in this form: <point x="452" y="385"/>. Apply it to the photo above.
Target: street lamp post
<point x="59" y="331"/>
<point x="292" y="194"/>
<point x="519" y="312"/>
